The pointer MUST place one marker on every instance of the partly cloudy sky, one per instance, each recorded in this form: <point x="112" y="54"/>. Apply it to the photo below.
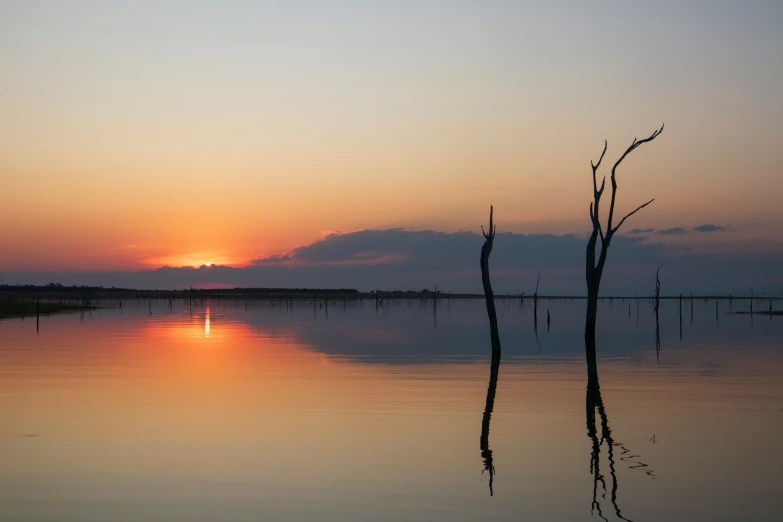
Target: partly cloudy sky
<point x="140" y="135"/>
<point x="403" y="259"/>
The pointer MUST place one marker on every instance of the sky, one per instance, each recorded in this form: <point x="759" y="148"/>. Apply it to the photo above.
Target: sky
<point x="173" y="133"/>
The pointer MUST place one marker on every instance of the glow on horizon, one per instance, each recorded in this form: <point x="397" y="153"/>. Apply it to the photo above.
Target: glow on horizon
<point x="236" y="131"/>
<point x="194" y="260"/>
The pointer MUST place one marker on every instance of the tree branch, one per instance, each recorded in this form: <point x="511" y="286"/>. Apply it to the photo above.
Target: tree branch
<point x="634" y="145"/>
<point x="491" y="234"/>
<point x="631" y="214"/>
<point x="596" y="223"/>
<point x="595" y="167"/>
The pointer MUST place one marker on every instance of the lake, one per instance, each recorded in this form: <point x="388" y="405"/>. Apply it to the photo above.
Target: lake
<point x="237" y="411"/>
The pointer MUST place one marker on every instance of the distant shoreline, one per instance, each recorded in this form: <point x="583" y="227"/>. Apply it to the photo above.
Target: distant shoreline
<point x="76" y="297"/>
<point x="10" y="308"/>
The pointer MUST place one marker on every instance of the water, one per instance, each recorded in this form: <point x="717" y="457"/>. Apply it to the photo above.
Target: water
<point x="353" y="414"/>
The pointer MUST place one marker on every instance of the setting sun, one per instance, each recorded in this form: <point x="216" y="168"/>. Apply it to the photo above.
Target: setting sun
<point x="195" y="260"/>
<point x="245" y="260"/>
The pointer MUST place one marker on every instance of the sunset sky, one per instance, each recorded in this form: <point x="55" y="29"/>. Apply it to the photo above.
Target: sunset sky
<point x="178" y="133"/>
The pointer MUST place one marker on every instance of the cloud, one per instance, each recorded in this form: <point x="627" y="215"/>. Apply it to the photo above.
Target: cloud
<point x="430" y="249"/>
<point x="641" y="231"/>
<point x="672" y="231"/>
<point x="394" y="259"/>
<point x="405" y="259"/>
<point x="709" y="228"/>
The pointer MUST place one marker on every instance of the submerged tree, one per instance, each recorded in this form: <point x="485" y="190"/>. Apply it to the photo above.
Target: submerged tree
<point x="486" y="250"/>
<point x="657" y="307"/>
<point x="486" y="453"/>
<point x="594" y="404"/>
<point x="535" y="304"/>
<point x="595" y="268"/>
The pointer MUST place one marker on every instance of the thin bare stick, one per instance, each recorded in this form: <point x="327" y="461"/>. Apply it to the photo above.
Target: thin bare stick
<point x="636" y="143"/>
<point x="631" y="214"/>
<point x="595" y="167"/>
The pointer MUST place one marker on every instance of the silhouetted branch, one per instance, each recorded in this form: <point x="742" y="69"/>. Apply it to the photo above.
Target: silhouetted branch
<point x="631" y="214"/>
<point x="595" y="267"/>
<point x="486" y="250"/>
<point x="595" y="167"/>
<point x="630" y="149"/>
<point x="634" y="145"/>
<point x="489" y="236"/>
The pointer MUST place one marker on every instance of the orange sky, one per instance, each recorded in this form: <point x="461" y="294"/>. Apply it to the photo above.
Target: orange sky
<point x="213" y="140"/>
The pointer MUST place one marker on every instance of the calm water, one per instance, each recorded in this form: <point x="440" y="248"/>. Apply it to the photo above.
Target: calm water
<point x="270" y="413"/>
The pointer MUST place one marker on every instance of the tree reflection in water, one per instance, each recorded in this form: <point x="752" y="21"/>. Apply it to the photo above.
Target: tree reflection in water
<point x="594" y="403"/>
<point x="486" y="453"/>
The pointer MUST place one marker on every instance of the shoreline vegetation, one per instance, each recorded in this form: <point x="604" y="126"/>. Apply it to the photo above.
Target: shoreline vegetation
<point x="76" y="297"/>
<point x="10" y="308"/>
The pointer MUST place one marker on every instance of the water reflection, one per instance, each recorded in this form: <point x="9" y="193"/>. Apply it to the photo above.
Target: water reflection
<point x="594" y="403"/>
<point x="486" y="453"/>
<point x="206" y="322"/>
<point x="380" y="412"/>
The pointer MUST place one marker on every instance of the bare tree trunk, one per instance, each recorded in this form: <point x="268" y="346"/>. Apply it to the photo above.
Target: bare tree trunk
<point x="486" y="453"/>
<point x="535" y="304"/>
<point x="548" y="320"/>
<point x="657" y="306"/>
<point x="595" y="404"/>
<point x="592" y="312"/>
<point x="594" y="269"/>
<point x="691" y="308"/>
<point x="680" y="317"/>
<point x="486" y="250"/>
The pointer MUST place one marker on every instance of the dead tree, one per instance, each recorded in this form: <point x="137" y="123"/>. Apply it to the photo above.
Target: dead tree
<point x="486" y="453"/>
<point x="680" y="317"/>
<point x="657" y="306"/>
<point x="486" y="250"/>
<point x="595" y="268"/>
<point x="535" y="303"/>
<point x="691" y="308"/>
<point x="594" y="404"/>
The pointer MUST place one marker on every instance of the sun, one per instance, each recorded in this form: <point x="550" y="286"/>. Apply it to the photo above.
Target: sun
<point x="195" y="260"/>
